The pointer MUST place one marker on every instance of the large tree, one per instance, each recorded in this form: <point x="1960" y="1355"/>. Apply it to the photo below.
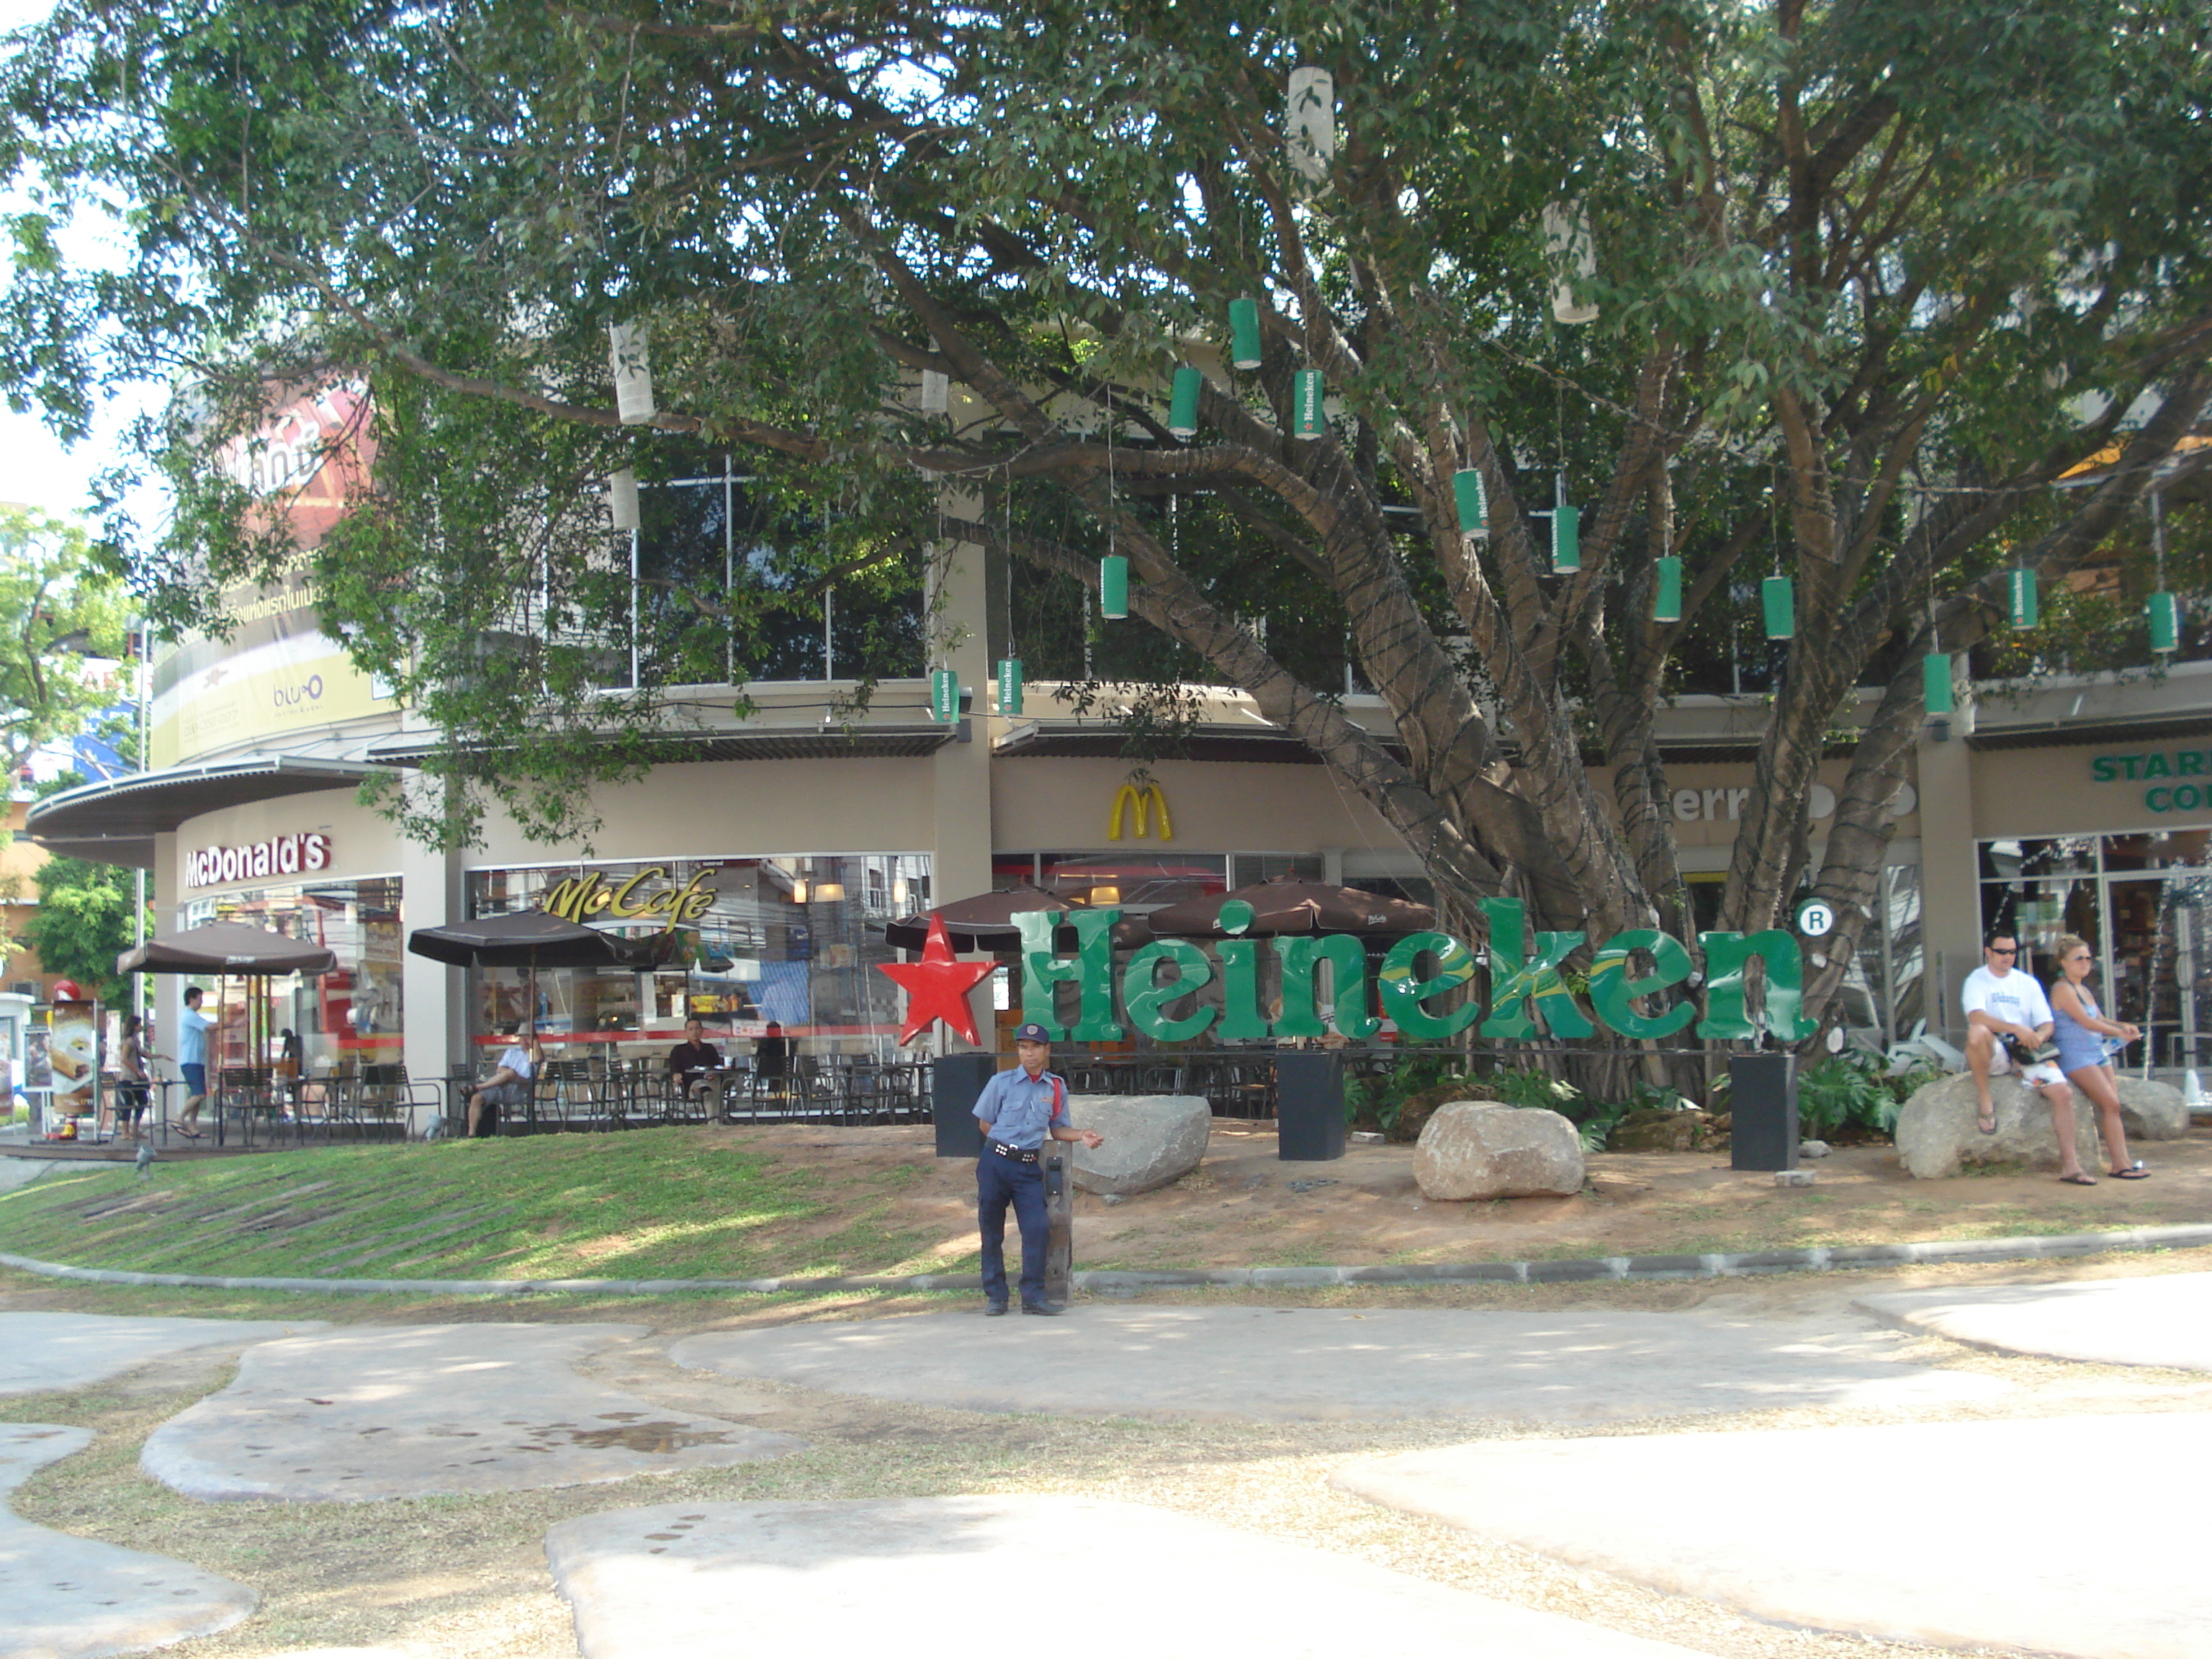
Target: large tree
<point x="1869" y="276"/>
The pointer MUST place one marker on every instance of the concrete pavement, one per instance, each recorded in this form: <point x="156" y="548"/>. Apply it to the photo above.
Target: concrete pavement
<point x="41" y="1353"/>
<point x="2165" y="1321"/>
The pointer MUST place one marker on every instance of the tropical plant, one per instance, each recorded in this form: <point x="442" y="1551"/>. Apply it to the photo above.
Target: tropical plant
<point x="1845" y="1089"/>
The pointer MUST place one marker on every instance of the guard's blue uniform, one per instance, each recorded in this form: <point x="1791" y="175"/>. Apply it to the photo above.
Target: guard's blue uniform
<point x="1018" y="1115"/>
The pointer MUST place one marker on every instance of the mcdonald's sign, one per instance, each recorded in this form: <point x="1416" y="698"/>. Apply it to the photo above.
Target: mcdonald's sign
<point x="1141" y="803"/>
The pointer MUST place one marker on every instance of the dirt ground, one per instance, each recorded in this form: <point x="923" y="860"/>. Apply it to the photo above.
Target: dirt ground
<point x="1244" y="1207"/>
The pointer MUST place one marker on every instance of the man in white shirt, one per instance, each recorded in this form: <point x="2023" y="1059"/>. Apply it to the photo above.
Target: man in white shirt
<point x="2001" y="1002"/>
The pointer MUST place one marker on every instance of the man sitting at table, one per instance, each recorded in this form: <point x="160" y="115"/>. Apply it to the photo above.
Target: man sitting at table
<point x="692" y="1062"/>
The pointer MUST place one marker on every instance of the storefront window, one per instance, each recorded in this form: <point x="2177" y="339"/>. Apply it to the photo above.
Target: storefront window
<point x="351" y="1015"/>
<point x="795" y="941"/>
<point x="1133" y="881"/>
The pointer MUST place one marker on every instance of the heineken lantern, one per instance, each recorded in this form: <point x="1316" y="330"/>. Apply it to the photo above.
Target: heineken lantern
<point x="1473" y="504"/>
<point x="1779" y="599"/>
<point x="1306" y="419"/>
<point x="1566" y="539"/>
<point x="1114" y="587"/>
<point x="1935" y="682"/>
<point x="2019" y="596"/>
<point x="1183" y="407"/>
<point x="1244" y="333"/>
<point x="1010" y="686"/>
<point x="944" y="695"/>
<point x="2164" y="613"/>
<point x="1667" y="590"/>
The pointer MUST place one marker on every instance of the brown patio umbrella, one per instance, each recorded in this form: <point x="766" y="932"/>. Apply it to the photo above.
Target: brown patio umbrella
<point x="1290" y="906"/>
<point x="225" y="947"/>
<point x="985" y="922"/>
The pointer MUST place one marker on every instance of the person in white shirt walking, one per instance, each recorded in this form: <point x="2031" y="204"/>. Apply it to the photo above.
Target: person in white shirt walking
<point x="2007" y="1019"/>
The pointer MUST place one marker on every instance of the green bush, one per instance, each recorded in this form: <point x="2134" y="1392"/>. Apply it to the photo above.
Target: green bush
<point x="1597" y="1126"/>
<point x="1845" y="1089"/>
<point x="1521" y="1088"/>
<point x="1380" y="1100"/>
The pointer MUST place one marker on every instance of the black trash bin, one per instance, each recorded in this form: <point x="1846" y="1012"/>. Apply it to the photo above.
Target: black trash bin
<point x="1308" y="1108"/>
<point x="1763" y="1111"/>
<point x="958" y="1080"/>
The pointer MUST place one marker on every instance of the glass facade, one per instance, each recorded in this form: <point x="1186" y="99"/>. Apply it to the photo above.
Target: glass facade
<point x="2142" y="900"/>
<point x="351" y="1014"/>
<point x="792" y="940"/>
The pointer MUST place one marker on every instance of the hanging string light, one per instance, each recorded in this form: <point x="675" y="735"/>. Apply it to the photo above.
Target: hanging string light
<point x="1244" y="333"/>
<point x="1182" y="405"/>
<point x="2162" y="609"/>
<point x="1307" y="420"/>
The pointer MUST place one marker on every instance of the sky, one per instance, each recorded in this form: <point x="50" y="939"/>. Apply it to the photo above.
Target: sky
<point x="35" y="470"/>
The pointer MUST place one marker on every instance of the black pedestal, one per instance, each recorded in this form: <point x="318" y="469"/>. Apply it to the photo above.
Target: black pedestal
<point x="1763" y="1111"/>
<point x="957" y="1080"/>
<point x="1308" y="1108"/>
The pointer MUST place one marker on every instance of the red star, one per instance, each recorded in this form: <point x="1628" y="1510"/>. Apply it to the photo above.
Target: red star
<point x="937" y="986"/>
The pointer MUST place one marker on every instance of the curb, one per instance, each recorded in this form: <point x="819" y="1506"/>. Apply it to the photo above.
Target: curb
<point x="1110" y="1281"/>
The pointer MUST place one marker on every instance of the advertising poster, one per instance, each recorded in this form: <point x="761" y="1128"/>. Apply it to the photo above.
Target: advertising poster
<point x="278" y="672"/>
<point x="73" y="1052"/>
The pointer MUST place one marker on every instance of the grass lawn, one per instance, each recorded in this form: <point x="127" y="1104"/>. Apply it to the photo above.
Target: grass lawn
<point x="649" y="1204"/>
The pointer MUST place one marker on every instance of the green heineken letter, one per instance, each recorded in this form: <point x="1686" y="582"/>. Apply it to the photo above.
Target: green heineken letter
<point x="1241" y="1018"/>
<point x="1516" y="986"/>
<point x="1144" y="998"/>
<point x="1090" y="969"/>
<point x="1726" y="955"/>
<point x="1612" y="990"/>
<point x="1347" y="962"/>
<point x="1403" y="994"/>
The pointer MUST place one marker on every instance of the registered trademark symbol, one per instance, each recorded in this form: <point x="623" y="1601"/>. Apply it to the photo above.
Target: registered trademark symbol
<point x="1815" y="918"/>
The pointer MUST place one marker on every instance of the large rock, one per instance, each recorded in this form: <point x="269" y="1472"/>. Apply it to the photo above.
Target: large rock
<point x="1479" y="1148"/>
<point x="1936" y="1135"/>
<point x="1151" y="1140"/>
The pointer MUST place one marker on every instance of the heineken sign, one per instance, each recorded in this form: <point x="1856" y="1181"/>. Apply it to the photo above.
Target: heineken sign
<point x="1530" y="995"/>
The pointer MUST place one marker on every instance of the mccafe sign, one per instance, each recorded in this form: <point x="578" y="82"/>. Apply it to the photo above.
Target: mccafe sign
<point x="1528" y="995"/>
<point x="580" y="899"/>
<point x="280" y="855"/>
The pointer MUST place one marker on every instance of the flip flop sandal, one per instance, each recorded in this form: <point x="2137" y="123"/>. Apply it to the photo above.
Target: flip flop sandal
<point x="2129" y="1174"/>
<point x="1986" y="1122"/>
<point x="2079" y="1180"/>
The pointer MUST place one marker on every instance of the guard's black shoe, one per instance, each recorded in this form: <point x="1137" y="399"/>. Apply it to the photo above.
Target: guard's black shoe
<point x="995" y="1311"/>
<point x="1043" y="1310"/>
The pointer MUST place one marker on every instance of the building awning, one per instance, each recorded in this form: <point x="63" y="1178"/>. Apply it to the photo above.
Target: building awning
<point x="2118" y="734"/>
<point x="775" y="742"/>
<point x="1092" y="740"/>
<point x="115" y="822"/>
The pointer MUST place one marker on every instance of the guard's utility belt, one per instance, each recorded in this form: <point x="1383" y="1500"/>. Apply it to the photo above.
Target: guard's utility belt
<point x="1013" y="1152"/>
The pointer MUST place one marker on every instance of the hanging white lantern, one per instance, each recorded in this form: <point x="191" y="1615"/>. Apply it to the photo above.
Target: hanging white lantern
<point x="1309" y="130"/>
<point x="936" y="391"/>
<point x="1567" y="236"/>
<point x="632" y="373"/>
<point x="621" y="499"/>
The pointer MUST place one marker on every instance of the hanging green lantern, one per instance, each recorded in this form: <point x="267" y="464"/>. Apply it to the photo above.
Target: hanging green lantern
<point x="1935" y="682"/>
<point x="1010" y="686"/>
<point x="1244" y="333"/>
<point x="1114" y="587"/>
<point x="2164" y="611"/>
<point x="1306" y="419"/>
<point x="1473" y="504"/>
<point x="1183" y="407"/>
<point x="944" y="695"/>
<point x="1666" y="591"/>
<point x="1566" y="539"/>
<point x="1779" y="599"/>
<point x="2019" y="596"/>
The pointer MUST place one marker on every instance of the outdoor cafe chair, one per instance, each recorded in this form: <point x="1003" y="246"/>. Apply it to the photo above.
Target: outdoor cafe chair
<point x="246" y="1095"/>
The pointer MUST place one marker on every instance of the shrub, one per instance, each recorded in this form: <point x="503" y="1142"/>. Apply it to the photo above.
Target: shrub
<point x="1845" y="1089"/>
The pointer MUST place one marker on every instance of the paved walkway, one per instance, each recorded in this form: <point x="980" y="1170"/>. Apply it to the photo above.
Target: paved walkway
<point x="40" y="1353"/>
<point x="2082" y="1536"/>
<point x="75" y="1598"/>
<point x="1291" y="1363"/>
<point x="2166" y="1321"/>
<point x="1075" y="1579"/>
<point x="414" y="1410"/>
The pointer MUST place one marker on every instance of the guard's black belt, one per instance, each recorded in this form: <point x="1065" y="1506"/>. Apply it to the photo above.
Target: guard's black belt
<point x="1014" y="1152"/>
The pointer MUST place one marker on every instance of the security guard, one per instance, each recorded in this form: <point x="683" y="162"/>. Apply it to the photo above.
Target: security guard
<point x="1020" y="1110"/>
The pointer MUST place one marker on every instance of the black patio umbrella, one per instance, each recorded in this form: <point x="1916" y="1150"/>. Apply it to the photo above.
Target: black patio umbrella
<point x="987" y="922"/>
<point x="1291" y="906"/>
<point x="225" y="947"/>
<point x="534" y="939"/>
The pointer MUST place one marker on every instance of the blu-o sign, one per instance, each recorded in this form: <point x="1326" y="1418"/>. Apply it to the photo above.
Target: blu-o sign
<point x="280" y="855"/>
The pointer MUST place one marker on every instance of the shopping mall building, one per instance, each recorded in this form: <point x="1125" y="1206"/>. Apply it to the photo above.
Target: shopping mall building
<point x="800" y="827"/>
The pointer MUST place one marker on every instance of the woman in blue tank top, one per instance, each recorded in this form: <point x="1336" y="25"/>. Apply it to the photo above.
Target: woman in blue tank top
<point x="2080" y="1031"/>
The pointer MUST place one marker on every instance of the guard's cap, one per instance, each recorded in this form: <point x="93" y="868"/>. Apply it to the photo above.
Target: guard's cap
<point x="1031" y="1032"/>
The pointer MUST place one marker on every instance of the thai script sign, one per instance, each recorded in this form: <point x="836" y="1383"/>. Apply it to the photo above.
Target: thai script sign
<point x="280" y="855"/>
<point x="1529" y="993"/>
<point x="579" y="898"/>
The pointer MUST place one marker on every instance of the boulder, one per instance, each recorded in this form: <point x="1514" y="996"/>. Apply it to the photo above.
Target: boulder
<point x="1480" y="1149"/>
<point x="1151" y="1140"/>
<point x="2152" y="1111"/>
<point x="1936" y="1133"/>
